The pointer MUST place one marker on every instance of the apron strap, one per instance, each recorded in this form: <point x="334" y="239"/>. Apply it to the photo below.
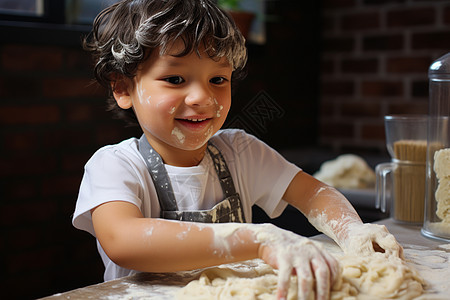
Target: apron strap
<point x="226" y="181"/>
<point x="159" y="175"/>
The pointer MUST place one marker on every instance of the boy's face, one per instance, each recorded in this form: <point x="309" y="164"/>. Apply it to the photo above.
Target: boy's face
<point x="179" y="101"/>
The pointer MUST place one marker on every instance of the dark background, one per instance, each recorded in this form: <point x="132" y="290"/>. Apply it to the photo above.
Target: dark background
<point x="326" y="75"/>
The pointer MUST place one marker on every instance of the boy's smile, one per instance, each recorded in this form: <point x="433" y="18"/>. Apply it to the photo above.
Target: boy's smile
<point x="180" y="102"/>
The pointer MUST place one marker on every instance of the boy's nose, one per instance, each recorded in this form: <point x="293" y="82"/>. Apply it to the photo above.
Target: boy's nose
<point x="199" y="96"/>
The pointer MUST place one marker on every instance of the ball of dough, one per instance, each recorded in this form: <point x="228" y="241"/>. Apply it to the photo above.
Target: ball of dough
<point x="347" y="171"/>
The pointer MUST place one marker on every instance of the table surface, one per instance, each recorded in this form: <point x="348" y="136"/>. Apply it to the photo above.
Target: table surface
<point x="163" y="285"/>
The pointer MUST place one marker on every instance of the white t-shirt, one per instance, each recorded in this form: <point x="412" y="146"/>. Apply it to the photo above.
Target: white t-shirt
<point x="118" y="172"/>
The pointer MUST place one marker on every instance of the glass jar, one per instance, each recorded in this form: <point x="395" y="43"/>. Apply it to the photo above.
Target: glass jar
<point x="437" y="191"/>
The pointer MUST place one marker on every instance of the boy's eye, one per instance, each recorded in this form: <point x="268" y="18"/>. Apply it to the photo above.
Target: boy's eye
<point x="217" y="80"/>
<point x="174" y="79"/>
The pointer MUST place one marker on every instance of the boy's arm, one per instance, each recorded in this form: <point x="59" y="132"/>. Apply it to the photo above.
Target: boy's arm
<point x="158" y="245"/>
<point x="331" y="213"/>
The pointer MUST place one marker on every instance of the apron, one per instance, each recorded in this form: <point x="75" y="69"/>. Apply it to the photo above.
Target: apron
<point x="228" y="210"/>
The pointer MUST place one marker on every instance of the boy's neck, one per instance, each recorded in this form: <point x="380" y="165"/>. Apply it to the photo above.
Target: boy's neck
<point x="179" y="157"/>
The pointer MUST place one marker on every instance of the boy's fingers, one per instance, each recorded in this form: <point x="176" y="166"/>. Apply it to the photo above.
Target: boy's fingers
<point x="284" y="275"/>
<point x="305" y="281"/>
<point x="323" y="278"/>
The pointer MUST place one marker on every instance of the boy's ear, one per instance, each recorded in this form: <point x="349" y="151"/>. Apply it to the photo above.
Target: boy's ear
<point x="121" y="92"/>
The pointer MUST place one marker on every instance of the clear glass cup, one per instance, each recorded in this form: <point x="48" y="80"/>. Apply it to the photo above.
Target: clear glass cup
<point x="401" y="182"/>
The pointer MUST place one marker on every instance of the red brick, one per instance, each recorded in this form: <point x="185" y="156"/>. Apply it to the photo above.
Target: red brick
<point x="420" y="88"/>
<point x="382" y="2"/>
<point x="339" y="44"/>
<point x="361" y="109"/>
<point x="25" y="164"/>
<point x="39" y="284"/>
<point x="360" y="21"/>
<point x="336" y="4"/>
<point x="358" y="65"/>
<point x="446" y="15"/>
<point x="381" y="88"/>
<point x="411" y="17"/>
<point x="338" y="88"/>
<point x="61" y="185"/>
<point x="30" y="114"/>
<point x="76" y="60"/>
<point x="403" y="64"/>
<point x="21" y="189"/>
<point x="383" y="42"/>
<point x="63" y="138"/>
<point x="416" y="107"/>
<point x="327" y="66"/>
<point x="75" y="162"/>
<point x="328" y="23"/>
<point x="15" y="86"/>
<point x="34" y="259"/>
<point x="79" y="112"/>
<point x="18" y="58"/>
<point x="71" y="88"/>
<point x="21" y="141"/>
<point x="372" y="132"/>
<point x="28" y="213"/>
<point x="326" y="108"/>
<point x="108" y="134"/>
<point x="16" y="241"/>
<point x="336" y="130"/>
<point x="431" y="40"/>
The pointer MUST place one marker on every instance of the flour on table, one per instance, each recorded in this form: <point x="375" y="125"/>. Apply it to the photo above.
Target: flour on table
<point x="363" y="277"/>
<point x="434" y="268"/>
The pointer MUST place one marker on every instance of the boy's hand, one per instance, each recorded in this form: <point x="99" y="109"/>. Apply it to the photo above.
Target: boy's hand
<point x="364" y="239"/>
<point x="294" y="254"/>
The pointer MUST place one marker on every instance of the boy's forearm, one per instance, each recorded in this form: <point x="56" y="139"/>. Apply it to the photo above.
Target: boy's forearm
<point x="332" y="213"/>
<point x="325" y="207"/>
<point x="156" y="245"/>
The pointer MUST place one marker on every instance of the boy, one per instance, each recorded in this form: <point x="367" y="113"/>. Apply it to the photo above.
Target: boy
<point x="154" y="203"/>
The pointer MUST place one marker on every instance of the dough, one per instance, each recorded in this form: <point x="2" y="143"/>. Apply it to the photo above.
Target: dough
<point x="442" y="169"/>
<point x="347" y="171"/>
<point x="248" y="280"/>
<point x="442" y="163"/>
<point x="443" y="199"/>
<point x="367" y="277"/>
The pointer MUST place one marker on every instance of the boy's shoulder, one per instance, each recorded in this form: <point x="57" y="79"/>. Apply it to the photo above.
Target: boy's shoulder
<point x="125" y="149"/>
<point x="235" y="140"/>
<point x="230" y="135"/>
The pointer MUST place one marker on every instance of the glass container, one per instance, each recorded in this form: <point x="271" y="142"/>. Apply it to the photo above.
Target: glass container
<point x="437" y="191"/>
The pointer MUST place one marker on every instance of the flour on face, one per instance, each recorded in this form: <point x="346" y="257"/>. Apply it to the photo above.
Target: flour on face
<point x="176" y="132"/>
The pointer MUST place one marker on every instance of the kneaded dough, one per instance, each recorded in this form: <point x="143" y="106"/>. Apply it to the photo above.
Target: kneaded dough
<point x="248" y="280"/>
<point x="368" y="277"/>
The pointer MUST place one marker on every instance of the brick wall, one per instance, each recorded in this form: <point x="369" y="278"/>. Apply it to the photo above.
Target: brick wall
<point x="52" y="119"/>
<point x="375" y="59"/>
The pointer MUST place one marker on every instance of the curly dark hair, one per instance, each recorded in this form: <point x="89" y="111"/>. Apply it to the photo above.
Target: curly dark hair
<point x="126" y="33"/>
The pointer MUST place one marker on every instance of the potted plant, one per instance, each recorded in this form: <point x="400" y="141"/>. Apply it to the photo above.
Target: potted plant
<point x="242" y="18"/>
